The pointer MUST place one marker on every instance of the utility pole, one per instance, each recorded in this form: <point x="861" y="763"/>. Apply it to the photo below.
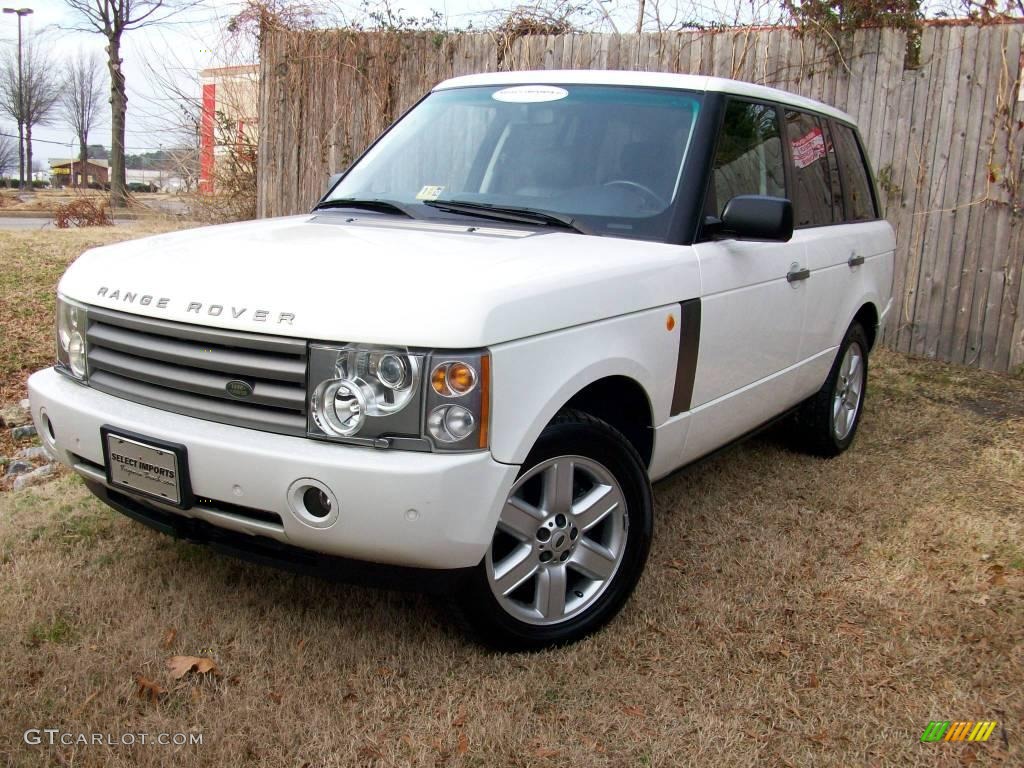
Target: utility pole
<point x="22" y="12"/>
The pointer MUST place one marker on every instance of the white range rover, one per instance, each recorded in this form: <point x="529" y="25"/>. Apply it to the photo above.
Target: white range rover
<point x="536" y="293"/>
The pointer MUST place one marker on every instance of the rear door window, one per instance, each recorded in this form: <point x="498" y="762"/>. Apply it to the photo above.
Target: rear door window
<point x="860" y="203"/>
<point x="749" y="158"/>
<point x="817" y="196"/>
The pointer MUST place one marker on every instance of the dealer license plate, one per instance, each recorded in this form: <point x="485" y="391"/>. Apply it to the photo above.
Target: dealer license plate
<point x="143" y="468"/>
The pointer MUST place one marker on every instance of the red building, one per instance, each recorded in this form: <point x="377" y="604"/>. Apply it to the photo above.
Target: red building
<point x="229" y="117"/>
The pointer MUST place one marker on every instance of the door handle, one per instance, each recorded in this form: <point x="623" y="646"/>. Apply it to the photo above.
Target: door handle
<point x="855" y="260"/>
<point x="795" y="275"/>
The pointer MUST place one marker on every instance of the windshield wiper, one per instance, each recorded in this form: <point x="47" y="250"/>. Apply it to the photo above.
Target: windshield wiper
<point x="507" y="213"/>
<point x="367" y="204"/>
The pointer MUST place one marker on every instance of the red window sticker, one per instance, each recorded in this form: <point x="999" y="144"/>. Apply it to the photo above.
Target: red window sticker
<point x="808" y="148"/>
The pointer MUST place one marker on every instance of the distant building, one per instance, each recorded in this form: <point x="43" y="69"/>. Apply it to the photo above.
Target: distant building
<point x="164" y="181"/>
<point x="229" y="118"/>
<point x="65" y="173"/>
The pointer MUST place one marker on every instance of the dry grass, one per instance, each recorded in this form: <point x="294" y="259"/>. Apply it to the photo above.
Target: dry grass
<point x="31" y="263"/>
<point x="45" y="200"/>
<point x="795" y="612"/>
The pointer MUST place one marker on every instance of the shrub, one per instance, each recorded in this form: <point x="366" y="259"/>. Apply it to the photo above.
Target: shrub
<point x="83" y="212"/>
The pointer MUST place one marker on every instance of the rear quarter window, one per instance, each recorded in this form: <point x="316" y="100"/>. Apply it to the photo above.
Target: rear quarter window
<point x="860" y="202"/>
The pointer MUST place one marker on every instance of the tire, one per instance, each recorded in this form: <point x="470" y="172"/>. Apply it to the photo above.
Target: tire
<point x="562" y="564"/>
<point x="823" y="426"/>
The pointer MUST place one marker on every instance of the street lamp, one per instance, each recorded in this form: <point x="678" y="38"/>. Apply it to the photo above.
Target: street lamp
<point x="21" y="105"/>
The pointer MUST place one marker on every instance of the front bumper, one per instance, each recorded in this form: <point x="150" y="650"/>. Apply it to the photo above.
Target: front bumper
<point x="421" y="510"/>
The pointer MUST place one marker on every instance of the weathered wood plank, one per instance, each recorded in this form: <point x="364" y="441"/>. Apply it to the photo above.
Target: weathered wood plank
<point x="945" y="140"/>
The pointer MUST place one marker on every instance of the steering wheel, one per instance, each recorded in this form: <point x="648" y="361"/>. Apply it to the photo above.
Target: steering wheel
<point x="645" y="192"/>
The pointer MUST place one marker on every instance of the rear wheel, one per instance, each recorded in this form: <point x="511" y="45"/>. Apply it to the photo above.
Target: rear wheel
<point x="826" y="423"/>
<point x="570" y="543"/>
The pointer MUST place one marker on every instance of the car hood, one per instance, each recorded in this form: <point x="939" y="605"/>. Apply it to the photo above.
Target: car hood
<point x="382" y="280"/>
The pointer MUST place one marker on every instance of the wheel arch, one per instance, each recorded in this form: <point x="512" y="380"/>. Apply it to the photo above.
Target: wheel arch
<point x="623" y="403"/>
<point x="867" y="315"/>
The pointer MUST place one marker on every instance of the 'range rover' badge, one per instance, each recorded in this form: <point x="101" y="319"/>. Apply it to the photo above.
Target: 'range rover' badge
<point x="238" y="388"/>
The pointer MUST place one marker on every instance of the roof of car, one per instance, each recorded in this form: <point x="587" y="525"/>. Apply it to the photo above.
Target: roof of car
<point x="643" y="79"/>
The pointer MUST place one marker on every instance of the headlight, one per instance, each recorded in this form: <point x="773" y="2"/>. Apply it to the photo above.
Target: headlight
<point x="364" y="392"/>
<point x="72" y="322"/>
<point x="385" y="397"/>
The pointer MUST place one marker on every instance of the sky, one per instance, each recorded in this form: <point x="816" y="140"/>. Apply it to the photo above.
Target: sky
<point x="177" y="49"/>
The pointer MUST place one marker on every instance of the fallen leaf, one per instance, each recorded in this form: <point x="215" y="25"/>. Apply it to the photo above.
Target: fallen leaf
<point x="275" y="697"/>
<point x="149" y="689"/>
<point x="463" y="744"/>
<point x="812" y="680"/>
<point x="169" y="636"/>
<point x="545" y="752"/>
<point x="997" y="580"/>
<point x="850" y="629"/>
<point x="180" y="666"/>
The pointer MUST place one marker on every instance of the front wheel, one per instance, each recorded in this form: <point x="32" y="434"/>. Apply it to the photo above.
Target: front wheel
<point x="571" y="541"/>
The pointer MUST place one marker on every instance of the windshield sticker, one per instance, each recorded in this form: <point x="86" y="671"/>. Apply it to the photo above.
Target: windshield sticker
<point x="808" y="148"/>
<point x="429" y="193"/>
<point x="528" y="94"/>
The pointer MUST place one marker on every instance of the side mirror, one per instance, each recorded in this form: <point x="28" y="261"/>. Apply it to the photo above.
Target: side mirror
<point x="757" y="217"/>
<point x="335" y="177"/>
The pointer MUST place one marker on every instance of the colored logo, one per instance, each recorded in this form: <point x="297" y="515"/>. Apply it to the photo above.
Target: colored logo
<point x="958" y="730"/>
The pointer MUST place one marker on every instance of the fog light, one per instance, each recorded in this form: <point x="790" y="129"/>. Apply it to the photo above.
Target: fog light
<point x="316" y="502"/>
<point x="313" y="503"/>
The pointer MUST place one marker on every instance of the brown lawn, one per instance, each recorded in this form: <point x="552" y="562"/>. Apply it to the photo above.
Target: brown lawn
<point x="795" y="612"/>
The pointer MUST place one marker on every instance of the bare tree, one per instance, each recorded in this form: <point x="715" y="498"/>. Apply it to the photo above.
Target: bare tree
<point x="80" y="100"/>
<point x="112" y="18"/>
<point x="40" y="91"/>
<point x="8" y="155"/>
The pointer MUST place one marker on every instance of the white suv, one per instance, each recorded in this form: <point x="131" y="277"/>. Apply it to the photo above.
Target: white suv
<point x="533" y="295"/>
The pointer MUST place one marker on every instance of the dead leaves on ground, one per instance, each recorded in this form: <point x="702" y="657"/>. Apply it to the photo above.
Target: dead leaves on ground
<point x="149" y="689"/>
<point x="179" y="666"/>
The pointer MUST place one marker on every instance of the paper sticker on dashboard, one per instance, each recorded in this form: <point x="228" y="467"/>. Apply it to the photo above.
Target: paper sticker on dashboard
<point x="524" y="94"/>
<point x="429" y="193"/>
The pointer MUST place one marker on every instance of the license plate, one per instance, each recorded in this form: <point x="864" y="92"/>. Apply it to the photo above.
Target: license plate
<point x="145" y="466"/>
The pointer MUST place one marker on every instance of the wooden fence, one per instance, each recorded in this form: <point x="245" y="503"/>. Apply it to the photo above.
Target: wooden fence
<point x="945" y="138"/>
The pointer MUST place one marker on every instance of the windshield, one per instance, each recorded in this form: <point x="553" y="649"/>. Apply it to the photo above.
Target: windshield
<point x="609" y="157"/>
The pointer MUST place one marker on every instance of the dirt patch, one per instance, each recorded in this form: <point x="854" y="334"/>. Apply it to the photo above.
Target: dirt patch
<point x="1000" y="410"/>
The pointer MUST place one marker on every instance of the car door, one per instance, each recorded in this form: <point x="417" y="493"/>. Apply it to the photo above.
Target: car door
<point x="818" y="218"/>
<point x="837" y="254"/>
<point x="752" y="295"/>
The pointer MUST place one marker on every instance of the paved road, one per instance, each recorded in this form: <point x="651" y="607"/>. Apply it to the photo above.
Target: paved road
<point x="10" y="222"/>
<point x="42" y="222"/>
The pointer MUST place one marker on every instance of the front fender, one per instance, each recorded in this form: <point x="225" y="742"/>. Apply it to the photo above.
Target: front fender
<point x="533" y="378"/>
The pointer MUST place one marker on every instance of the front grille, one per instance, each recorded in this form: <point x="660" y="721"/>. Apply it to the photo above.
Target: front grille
<point x="186" y="368"/>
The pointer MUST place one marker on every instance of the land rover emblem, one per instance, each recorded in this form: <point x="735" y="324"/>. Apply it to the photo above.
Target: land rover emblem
<point x="238" y="388"/>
